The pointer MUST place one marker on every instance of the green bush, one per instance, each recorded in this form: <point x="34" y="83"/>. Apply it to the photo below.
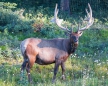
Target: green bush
<point x="9" y="45"/>
<point x="14" y="21"/>
<point x="7" y="16"/>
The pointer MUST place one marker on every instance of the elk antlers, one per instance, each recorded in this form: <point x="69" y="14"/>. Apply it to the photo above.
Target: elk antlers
<point x="89" y="19"/>
<point x="59" y="21"/>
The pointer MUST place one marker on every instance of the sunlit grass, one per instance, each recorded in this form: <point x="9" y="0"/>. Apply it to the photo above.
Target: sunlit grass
<point x="80" y="71"/>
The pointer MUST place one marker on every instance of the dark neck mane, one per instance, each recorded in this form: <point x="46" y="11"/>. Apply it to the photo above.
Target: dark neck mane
<point x="71" y="47"/>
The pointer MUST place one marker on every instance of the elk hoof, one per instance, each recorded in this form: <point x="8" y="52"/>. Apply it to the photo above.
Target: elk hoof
<point x="53" y="81"/>
<point x="31" y="82"/>
<point x="63" y="77"/>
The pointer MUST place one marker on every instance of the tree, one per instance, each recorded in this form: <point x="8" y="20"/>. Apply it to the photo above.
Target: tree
<point x="64" y="5"/>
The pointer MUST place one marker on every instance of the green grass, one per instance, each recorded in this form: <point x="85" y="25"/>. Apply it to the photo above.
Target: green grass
<point x="87" y="67"/>
<point x="79" y="72"/>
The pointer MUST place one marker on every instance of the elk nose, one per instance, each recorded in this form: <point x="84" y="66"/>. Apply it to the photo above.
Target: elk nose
<point x="76" y="43"/>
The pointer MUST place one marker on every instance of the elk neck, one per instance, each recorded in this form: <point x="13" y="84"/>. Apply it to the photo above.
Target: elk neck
<point x="71" y="47"/>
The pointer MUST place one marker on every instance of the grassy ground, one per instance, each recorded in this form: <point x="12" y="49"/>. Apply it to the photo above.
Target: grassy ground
<point x="79" y="72"/>
<point x="87" y="67"/>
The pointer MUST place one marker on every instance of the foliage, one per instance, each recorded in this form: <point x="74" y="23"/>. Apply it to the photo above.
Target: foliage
<point x="9" y="5"/>
<point x="14" y="21"/>
<point x="23" y="79"/>
<point x="7" y="17"/>
<point x="9" y="45"/>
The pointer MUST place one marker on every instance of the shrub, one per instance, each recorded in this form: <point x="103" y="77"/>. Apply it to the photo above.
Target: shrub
<point x="9" y="45"/>
<point x="14" y="21"/>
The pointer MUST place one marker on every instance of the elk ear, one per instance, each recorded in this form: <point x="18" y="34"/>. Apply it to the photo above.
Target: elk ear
<point x="80" y="33"/>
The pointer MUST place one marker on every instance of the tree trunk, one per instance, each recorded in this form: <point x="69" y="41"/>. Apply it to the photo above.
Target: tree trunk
<point x="65" y="6"/>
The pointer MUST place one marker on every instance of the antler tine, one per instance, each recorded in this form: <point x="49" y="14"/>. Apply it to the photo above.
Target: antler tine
<point x="90" y="10"/>
<point x="71" y="27"/>
<point x="56" y="11"/>
<point x="78" y="26"/>
<point x="59" y="21"/>
<point x="87" y="12"/>
<point x="90" y="19"/>
<point x="88" y="15"/>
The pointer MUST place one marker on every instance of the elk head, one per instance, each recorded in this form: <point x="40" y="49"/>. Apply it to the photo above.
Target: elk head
<point x="74" y="36"/>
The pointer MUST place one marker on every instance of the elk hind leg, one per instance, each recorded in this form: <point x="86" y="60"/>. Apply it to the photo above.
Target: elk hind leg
<point x="32" y="60"/>
<point x="23" y="66"/>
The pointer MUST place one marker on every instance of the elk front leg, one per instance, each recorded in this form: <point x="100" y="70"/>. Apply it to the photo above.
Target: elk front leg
<point x="63" y="70"/>
<point x="55" y="71"/>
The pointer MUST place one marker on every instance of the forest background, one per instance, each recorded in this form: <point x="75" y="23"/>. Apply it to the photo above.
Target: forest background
<point x="20" y="19"/>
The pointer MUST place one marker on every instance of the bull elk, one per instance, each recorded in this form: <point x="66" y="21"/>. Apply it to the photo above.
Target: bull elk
<point x="44" y="52"/>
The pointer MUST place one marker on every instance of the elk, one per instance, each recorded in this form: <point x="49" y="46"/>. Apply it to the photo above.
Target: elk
<point x="48" y="51"/>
